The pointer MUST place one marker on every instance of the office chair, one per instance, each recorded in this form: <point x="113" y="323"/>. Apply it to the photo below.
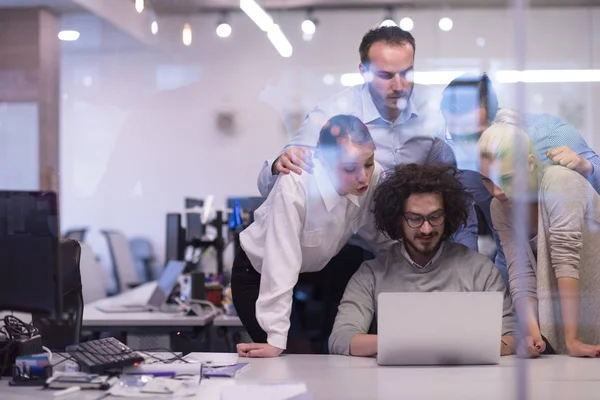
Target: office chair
<point x="64" y="330"/>
<point x="92" y="277"/>
<point x="143" y="256"/>
<point x="76" y="234"/>
<point x="122" y="260"/>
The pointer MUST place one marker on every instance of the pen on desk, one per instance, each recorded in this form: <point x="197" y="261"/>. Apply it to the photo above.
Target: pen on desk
<point x="67" y="391"/>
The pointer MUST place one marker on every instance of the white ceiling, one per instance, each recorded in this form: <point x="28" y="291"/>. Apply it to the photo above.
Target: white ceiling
<point x="61" y="6"/>
<point x="119" y="26"/>
<point x="191" y="6"/>
<point x="194" y="6"/>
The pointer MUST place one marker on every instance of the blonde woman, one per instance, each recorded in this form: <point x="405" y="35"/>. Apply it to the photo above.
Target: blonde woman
<point x="554" y="278"/>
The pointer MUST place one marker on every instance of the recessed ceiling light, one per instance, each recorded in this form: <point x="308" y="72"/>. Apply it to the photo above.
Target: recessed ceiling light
<point x="309" y="27"/>
<point x="223" y="30"/>
<point x="68" y="36"/>
<point x="406" y="24"/>
<point x="186" y="35"/>
<point x="445" y="24"/>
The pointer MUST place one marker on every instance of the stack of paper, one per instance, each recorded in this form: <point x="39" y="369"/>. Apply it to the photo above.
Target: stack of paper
<point x="213" y="359"/>
<point x="229" y="371"/>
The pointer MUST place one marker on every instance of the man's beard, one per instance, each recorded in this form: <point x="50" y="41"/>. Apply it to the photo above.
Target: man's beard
<point x="401" y="99"/>
<point x="425" y="249"/>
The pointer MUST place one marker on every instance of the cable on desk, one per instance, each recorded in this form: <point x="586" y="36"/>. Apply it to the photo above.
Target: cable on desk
<point x="186" y="306"/>
<point x="176" y="357"/>
<point x="14" y="328"/>
<point x="67" y="358"/>
<point x="152" y="356"/>
<point x="214" y="309"/>
<point x="48" y="352"/>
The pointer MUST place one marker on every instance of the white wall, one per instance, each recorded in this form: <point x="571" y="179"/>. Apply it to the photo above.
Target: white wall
<point x="138" y="127"/>
<point x="19" y="150"/>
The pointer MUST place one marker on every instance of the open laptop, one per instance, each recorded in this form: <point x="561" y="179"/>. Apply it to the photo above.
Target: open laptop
<point x="439" y="328"/>
<point x="158" y="299"/>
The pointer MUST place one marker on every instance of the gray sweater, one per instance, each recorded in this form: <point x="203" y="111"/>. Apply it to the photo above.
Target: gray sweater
<point x="454" y="269"/>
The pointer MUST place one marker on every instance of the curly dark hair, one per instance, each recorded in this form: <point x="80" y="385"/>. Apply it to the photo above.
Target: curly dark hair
<point x="392" y="35"/>
<point x="404" y="180"/>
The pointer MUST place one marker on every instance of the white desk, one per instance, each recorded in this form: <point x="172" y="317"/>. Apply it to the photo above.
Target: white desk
<point x="228" y="321"/>
<point x="150" y="330"/>
<point x="348" y="378"/>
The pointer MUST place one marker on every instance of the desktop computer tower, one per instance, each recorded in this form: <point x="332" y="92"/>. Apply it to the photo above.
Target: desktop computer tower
<point x="175" y="238"/>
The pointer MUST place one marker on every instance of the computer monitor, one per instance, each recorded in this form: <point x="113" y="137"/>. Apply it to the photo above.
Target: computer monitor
<point x="175" y="239"/>
<point x="191" y="203"/>
<point x="194" y="227"/>
<point x="30" y="275"/>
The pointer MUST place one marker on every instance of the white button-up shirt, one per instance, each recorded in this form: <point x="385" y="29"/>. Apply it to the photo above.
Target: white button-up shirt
<point x="408" y="139"/>
<point x="303" y="223"/>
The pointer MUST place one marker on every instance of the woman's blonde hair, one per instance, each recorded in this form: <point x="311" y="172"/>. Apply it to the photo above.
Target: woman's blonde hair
<point x="503" y="137"/>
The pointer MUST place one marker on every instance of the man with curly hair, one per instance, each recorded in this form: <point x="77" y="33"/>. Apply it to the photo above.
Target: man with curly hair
<point x="419" y="207"/>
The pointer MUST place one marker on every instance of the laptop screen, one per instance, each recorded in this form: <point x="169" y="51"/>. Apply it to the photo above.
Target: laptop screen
<point x="166" y="283"/>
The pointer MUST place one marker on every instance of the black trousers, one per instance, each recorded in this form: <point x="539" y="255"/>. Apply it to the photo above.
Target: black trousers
<point x="245" y="285"/>
<point x="327" y="288"/>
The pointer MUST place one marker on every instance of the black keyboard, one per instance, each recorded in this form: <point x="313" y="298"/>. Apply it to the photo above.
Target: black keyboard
<point x="103" y="355"/>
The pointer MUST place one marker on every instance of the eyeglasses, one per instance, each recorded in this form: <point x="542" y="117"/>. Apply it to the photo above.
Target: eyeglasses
<point x="416" y="221"/>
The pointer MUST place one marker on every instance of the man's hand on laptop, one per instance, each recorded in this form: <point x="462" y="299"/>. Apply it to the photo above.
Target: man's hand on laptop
<point x="294" y="159"/>
<point x="258" y="350"/>
<point x="531" y="347"/>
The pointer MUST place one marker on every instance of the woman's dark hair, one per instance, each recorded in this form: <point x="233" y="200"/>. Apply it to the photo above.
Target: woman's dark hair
<point x="390" y="35"/>
<point x="343" y="128"/>
<point x="404" y="180"/>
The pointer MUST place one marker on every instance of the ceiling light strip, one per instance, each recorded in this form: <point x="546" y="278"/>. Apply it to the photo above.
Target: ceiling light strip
<point x="502" y="76"/>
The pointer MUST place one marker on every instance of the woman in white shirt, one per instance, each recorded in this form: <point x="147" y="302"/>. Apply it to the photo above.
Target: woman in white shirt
<point x="303" y="223"/>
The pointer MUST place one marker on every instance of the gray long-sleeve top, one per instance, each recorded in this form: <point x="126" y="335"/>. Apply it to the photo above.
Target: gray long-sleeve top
<point x="567" y="246"/>
<point x="454" y="269"/>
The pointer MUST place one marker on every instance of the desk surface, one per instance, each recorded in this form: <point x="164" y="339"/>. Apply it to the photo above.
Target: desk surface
<point x="228" y="321"/>
<point x="92" y="317"/>
<point x="339" y="377"/>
